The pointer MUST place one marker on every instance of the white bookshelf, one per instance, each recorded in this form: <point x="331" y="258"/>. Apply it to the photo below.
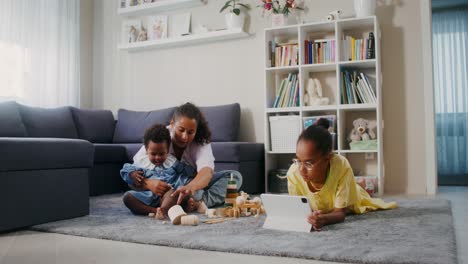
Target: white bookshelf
<point x="192" y="39"/>
<point x="157" y="7"/>
<point x="364" y="162"/>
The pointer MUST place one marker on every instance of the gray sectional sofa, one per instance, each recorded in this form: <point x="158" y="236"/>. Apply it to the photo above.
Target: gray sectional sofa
<point x="52" y="160"/>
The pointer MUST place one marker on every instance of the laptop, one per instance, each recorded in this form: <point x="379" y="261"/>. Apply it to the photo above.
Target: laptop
<point x="288" y="213"/>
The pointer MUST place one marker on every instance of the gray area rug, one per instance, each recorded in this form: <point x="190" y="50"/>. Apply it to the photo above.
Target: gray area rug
<point x="419" y="231"/>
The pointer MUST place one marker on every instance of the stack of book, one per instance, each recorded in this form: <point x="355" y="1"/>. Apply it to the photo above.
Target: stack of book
<point x="356" y="88"/>
<point x="319" y="51"/>
<point x="283" y="54"/>
<point x="358" y="49"/>
<point x="287" y="95"/>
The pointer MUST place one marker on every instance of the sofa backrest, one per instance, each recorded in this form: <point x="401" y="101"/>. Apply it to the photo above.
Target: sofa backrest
<point x="96" y="126"/>
<point x="224" y="121"/>
<point x="11" y="124"/>
<point x="48" y="122"/>
<point x="131" y="125"/>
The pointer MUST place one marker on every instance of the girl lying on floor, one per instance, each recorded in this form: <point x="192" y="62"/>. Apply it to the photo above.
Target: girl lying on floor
<point x="327" y="180"/>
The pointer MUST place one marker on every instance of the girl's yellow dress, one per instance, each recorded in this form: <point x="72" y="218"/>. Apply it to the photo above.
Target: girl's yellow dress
<point x="339" y="191"/>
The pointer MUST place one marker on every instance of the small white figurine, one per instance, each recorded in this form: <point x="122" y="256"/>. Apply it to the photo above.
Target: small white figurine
<point x="334" y="15"/>
<point x="313" y="95"/>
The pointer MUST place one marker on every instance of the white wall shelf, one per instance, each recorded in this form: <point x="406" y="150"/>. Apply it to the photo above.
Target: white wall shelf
<point x="158" y="7"/>
<point x="361" y="64"/>
<point x="212" y="36"/>
<point x="283" y="110"/>
<point x="363" y="162"/>
<point x="362" y="107"/>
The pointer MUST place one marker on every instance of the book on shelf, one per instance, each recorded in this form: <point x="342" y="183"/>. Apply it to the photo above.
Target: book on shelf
<point x="319" y="51"/>
<point x="357" y="88"/>
<point x="287" y="95"/>
<point x="282" y="54"/>
<point x="358" y="49"/>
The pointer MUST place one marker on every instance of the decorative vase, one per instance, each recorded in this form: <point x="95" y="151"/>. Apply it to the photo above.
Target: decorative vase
<point x="234" y="21"/>
<point x="364" y="8"/>
<point x="279" y="20"/>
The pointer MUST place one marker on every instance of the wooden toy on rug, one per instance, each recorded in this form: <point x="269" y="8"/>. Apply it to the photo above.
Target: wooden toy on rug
<point x="214" y="221"/>
<point x="202" y="207"/>
<point x="248" y="207"/>
<point x="231" y="192"/>
<point x="179" y="217"/>
<point x="242" y="207"/>
<point x="189" y="220"/>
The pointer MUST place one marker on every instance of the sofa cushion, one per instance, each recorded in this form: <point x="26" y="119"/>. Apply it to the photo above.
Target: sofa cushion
<point x="20" y="154"/>
<point x="132" y="149"/>
<point x="110" y="153"/>
<point x="131" y="125"/>
<point x="10" y="120"/>
<point x="96" y="126"/>
<point x="237" y="151"/>
<point x="224" y="121"/>
<point x="48" y="122"/>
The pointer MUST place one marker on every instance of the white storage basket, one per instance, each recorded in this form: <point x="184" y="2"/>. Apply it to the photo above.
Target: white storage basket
<point x="284" y="131"/>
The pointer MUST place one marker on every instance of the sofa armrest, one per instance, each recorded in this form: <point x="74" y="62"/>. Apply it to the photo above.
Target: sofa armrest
<point x="238" y="151"/>
<point x="19" y="154"/>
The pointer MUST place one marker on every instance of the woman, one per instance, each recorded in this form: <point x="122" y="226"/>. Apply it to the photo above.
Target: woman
<point x="191" y="144"/>
<point x="327" y="180"/>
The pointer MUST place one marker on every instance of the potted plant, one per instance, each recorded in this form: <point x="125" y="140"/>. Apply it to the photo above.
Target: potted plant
<point x="280" y="10"/>
<point x="234" y="19"/>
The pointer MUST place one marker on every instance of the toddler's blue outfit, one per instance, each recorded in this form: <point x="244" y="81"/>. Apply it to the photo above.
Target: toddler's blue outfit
<point x="172" y="171"/>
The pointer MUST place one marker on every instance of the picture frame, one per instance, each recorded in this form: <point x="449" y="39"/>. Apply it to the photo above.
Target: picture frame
<point x="157" y="27"/>
<point x="179" y="25"/>
<point x="130" y="30"/>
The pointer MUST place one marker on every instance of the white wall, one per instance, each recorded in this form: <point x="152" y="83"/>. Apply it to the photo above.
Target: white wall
<point x="233" y="71"/>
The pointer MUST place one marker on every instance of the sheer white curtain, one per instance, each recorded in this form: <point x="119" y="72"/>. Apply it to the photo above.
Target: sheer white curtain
<point x="450" y="50"/>
<point x="39" y="52"/>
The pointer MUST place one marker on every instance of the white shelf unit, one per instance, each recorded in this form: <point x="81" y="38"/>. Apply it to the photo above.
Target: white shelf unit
<point x="363" y="162"/>
<point x="157" y="7"/>
<point x="193" y="39"/>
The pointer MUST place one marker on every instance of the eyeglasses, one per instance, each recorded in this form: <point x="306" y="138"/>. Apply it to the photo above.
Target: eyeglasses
<point x="307" y="164"/>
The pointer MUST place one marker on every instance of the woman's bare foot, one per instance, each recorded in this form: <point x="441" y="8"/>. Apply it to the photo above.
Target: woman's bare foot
<point x="191" y="205"/>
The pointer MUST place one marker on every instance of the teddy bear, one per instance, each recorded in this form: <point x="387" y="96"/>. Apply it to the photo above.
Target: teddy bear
<point x="313" y="95"/>
<point x="362" y="131"/>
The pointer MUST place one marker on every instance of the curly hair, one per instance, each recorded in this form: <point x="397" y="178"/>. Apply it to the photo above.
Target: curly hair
<point x="318" y="133"/>
<point x="157" y="133"/>
<point x="189" y="110"/>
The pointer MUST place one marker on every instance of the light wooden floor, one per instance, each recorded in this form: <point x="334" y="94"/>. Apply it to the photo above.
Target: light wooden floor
<point x="25" y="247"/>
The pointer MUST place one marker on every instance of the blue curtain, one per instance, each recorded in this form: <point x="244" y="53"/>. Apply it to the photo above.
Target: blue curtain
<point x="450" y="52"/>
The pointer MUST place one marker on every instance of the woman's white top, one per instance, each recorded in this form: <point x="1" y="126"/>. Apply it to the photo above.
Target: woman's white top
<point x="197" y="156"/>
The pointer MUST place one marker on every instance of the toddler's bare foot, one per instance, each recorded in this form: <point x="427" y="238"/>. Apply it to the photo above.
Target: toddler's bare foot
<point x="160" y="213"/>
